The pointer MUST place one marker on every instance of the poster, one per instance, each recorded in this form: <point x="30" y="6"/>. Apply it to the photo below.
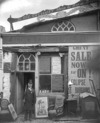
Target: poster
<point x="79" y="75"/>
<point x="41" y="107"/>
<point x="56" y="65"/>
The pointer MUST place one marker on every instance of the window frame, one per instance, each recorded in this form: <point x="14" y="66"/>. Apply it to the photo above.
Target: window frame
<point x="59" y="24"/>
<point x="51" y="74"/>
<point x="23" y="62"/>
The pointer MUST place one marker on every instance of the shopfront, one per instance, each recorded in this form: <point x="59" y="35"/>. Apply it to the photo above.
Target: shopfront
<point x="52" y="66"/>
<point x="54" y="53"/>
<point x="47" y="71"/>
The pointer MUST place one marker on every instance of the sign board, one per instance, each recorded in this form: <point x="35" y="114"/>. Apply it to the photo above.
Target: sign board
<point x="78" y="73"/>
<point x="41" y="107"/>
<point x="12" y="111"/>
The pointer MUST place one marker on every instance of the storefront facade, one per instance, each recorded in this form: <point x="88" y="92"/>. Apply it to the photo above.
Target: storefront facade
<point x="52" y="54"/>
<point x="52" y="67"/>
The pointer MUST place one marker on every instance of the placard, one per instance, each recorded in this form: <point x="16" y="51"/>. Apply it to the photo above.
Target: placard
<point x="57" y="83"/>
<point x="56" y="65"/>
<point x="41" y="107"/>
<point x="12" y="111"/>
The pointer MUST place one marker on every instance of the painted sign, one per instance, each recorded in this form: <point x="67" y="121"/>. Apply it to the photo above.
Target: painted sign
<point x="79" y="75"/>
<point x="41" y="107"/>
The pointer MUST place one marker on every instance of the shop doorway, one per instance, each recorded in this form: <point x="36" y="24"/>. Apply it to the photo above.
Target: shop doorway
<point x="23" y="78"/>
<point x="27" y="77"/>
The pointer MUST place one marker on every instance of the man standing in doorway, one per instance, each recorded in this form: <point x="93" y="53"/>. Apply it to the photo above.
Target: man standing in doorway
<point x="29" y="101"/>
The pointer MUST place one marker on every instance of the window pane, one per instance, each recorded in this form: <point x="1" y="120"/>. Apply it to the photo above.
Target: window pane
<point x="21" y="59"/>
<point x="20" y="66"/>
<point x="45" y="83"/>
<point x="71" y="29"/>
<point x="44" y="64"/>
<point x="32" y="66"/>
<point x="27" y="67"/>
<point x="57" y="83"/>
<point x="32" y="59"/>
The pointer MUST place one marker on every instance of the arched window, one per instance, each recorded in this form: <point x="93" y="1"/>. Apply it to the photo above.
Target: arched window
<point x="63" y="26"/>
<point x="26" y="62"/>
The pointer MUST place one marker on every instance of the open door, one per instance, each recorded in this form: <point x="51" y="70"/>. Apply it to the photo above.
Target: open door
<point x="27" y="77"/>
<point x="23" y="78"/>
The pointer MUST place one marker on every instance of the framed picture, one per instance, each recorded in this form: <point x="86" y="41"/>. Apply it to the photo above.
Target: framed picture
<point x="12" y="111"/>
<point x="41" y="107"/>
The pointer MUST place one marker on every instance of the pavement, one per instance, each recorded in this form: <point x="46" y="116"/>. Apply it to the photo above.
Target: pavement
<point x="63" y="119"/>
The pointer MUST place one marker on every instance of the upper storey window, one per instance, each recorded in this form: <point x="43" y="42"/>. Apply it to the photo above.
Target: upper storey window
<point x="63" y="26"/>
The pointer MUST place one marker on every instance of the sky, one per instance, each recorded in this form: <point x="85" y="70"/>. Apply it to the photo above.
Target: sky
<point x="18" y="8"/>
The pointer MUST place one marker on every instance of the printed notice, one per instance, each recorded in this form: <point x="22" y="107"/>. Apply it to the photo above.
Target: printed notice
<point x="56" y="65"/>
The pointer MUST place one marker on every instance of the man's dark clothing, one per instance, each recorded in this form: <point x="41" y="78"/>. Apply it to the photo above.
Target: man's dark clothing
<point x="29" y="102"/>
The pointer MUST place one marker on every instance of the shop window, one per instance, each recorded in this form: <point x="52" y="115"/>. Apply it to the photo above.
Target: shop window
<point x="63" y="26"/>
<point x="51" y="74"/>
<point x="26" y="62"/>
<point x="45" y="83"/>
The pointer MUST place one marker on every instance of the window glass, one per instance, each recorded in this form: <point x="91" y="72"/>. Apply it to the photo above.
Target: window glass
<point x="21" y="58"/>
<point x="51" y="75"/>
<point x="26" y="62"/>
<point x="45" y="83"/>
<point x="57" y="83"/>
<point x="63" y="26"/>
<point x="44" y="64"/>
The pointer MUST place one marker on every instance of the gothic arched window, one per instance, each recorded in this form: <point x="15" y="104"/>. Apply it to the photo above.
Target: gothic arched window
<point x="63" y="26"/>
<point x="26" y="62"/>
